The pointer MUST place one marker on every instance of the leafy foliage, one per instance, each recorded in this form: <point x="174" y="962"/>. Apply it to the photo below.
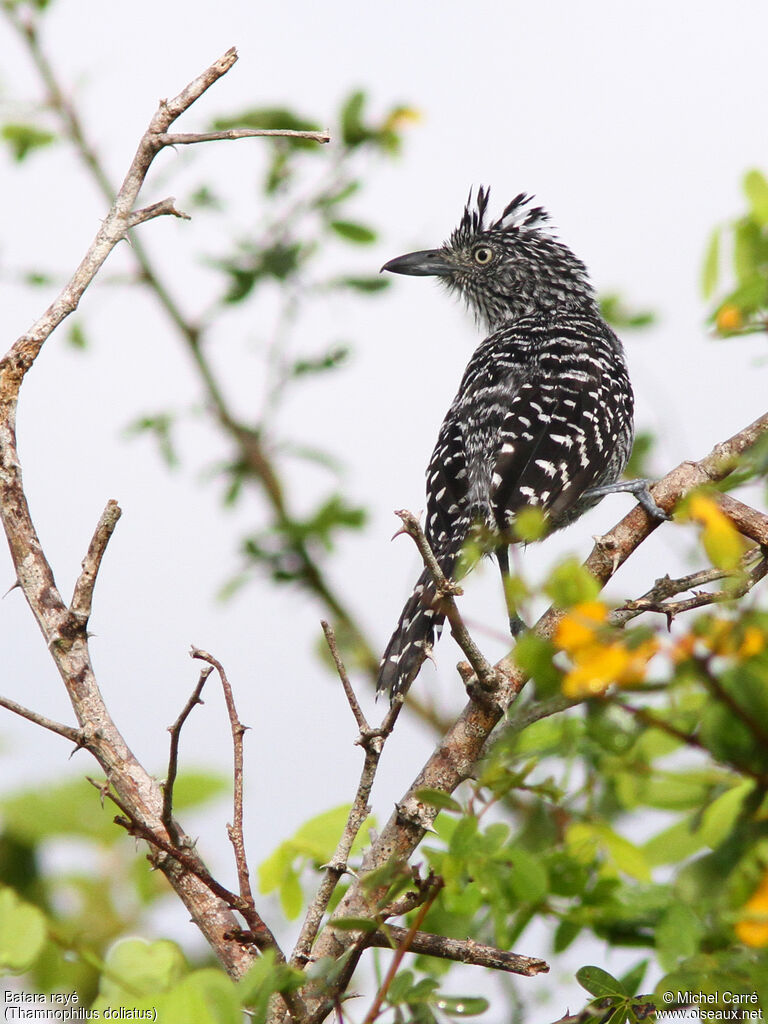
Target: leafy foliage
<point x="743" y="306"/>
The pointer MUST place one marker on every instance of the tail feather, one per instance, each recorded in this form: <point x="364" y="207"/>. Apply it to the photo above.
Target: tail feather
<point x="417" y="630"/>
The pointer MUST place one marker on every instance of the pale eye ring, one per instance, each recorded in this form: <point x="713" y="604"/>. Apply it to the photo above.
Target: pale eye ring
<point x="483" y="255"/>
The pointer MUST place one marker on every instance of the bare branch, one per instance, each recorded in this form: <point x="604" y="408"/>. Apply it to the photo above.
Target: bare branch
<point x="173" y="756"/>
<point x="82" y="596"/>
<point x="463" y="951"/>
<point x="241" y="133"/>
<point x="372" y="741"/>
<point x="235" y="830"/>
<point x="77" y="736"/>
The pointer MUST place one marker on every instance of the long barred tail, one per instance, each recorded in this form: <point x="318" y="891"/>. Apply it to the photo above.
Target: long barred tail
<point x="417" y="630"/>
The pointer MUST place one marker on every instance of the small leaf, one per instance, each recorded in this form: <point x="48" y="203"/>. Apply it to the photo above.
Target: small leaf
<point x="364" y="284"/>
<point x="711" y="269"/>
<point x="353" y="232"/>
<point x="756" y="188"/>
<point x="570" y="583"/>
<point x="354" y="924"/>
<point x="437" y="798"/>
<point x="24" y="139"/>
<point x="23" y="932"/>
<point x="462" y="1006"/>
<point x="599" y="983"/>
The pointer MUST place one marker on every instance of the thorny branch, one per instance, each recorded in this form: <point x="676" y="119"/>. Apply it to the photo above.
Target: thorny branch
<point x="657" y="599"/>
<point x="63" y="627"/>
<point x="463" y="951"/>
<point x="455" y="756"/>
<point x="372" y="741"/>
<point x="173" y="754"/>
<point x="235" y="830"/>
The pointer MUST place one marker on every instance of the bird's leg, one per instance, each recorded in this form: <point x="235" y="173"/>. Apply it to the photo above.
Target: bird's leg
<point x="637" y="487"/>
<point x="516" y="624"/>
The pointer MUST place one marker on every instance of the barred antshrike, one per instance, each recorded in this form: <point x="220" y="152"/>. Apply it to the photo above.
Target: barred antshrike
<point x="543" y="416"/>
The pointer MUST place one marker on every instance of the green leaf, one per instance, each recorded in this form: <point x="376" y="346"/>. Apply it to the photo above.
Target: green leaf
<point x="67" y="809"/>
<point x="291" y="896"/>
<point x="465" y="840"/>
<point x="329" y="360"/>
<point x="719" y="818"/>
<point x="534" y="655"/>
<point x="207" y="996"/>
<point x="23" y="139"/>
<point x="353" y="232"/>
<point x="599" y="983"/>
<point x="528" y="877"/>
<point x="462" y="1006"/>
<point x="437" y="798"/>
<point x="616" y="313"/>
<point x="261" y="982"/>
<point x="195" y="788"/>
<point x="633" y="979"/>
<point x="673" y="844"/>
<point x="756" y="188"/>
<point x="76" y="336"/>
<point x="23" y="932"/>
<point x="139" y="968"/>
<point x="353" y="131"/>
<point x="354" y="924"/>
<point x="570" y="583"/>
<point x="711" y="268"/>
<point x="678" y="935"/>
<point x="364" y="284"/>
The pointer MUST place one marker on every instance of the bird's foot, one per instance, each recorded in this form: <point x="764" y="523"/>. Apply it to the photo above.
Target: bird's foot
<point x="639" y="488"/>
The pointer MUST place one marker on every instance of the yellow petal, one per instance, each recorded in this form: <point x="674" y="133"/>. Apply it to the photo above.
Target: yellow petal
<point x="755" y="932"/>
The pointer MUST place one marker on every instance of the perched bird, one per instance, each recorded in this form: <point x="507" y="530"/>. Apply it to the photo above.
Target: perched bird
<point x="544" y="412"/>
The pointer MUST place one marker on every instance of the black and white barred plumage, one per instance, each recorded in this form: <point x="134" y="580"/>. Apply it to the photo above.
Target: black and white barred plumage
<point x="543" y="414"/>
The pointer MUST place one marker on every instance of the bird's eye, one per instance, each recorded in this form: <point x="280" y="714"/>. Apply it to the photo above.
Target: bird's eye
<point x="483" y="255"/>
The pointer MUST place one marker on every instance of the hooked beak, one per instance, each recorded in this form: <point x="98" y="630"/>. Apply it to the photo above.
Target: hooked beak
<point x="426" y="263"/>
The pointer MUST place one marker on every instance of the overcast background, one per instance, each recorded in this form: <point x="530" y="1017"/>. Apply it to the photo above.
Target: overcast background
<point x="633" y="124"/>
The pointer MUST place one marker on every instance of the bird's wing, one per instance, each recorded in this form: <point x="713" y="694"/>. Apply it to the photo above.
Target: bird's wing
<point x="545" y="455"/>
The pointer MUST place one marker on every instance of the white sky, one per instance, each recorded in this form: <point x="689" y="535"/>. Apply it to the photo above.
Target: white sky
<point x="632" y="123"/>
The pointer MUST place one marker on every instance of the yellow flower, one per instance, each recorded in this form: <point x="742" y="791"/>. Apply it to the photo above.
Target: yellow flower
<point x="729" y="318"/>
<point x="750" y="931"/>
<point x="752" y="643"/>
<point x="720" y="537"/>
<point x="578" y="628"/>
<point x="596" y="668"/>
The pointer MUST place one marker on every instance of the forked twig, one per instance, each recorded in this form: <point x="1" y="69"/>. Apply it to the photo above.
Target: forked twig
<point x="173" y="754"/>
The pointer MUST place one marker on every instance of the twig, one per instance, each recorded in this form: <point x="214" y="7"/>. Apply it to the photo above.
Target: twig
<point x="489" y="677"/>
<point x="464" y="951"/>
<point x="403" y="946"/>
<point x="354" y="704"/>
<point x="235" y="830"/>
<point x="657" y="598"/>
<point x="718" y="691"/>
<point x="185" y="139"/>
<point x="77" y="736"/>
<point x="165" y="208"/>
<point x="372" y="741"/>
<point x="173" y="755"/>
<point x="82" y="597"/>
<point x="652" y="721"/>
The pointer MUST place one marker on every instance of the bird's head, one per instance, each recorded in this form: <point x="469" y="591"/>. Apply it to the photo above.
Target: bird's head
<point x="506" y="268"/>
